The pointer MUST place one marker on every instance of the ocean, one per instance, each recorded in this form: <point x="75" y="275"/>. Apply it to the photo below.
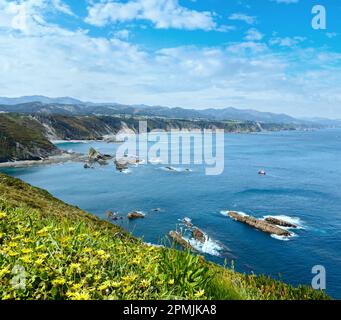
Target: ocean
<point x="302" y="185"/>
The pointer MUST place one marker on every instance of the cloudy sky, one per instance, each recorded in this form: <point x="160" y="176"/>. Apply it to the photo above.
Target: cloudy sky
<point x="259" y="54"/>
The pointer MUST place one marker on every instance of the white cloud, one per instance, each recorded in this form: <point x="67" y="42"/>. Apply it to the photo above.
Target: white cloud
<point x="331" y="35"/>
<point x="50" y="60"/>
<point x="163" y="14"/>
<point x="27" y="16"/>
<point x="253" y="35"/>
<point x="286" y="41"/>
<point x="62" y="7"/>
<point x="123" y="34"/>
<point x="242" y="17"/>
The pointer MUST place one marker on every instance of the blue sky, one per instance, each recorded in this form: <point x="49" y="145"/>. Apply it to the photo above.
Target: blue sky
<point x="257" y="54"/>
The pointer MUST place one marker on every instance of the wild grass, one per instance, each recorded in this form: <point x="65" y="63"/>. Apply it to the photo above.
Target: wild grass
<point x="50" y="250"/>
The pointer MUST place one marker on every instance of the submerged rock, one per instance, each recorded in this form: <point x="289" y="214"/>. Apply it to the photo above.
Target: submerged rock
<point x="113" y="216"/>
<point x="135" y="215"/>
<point x="280" y="222"/>
<point x="259" y="224"/>
<point x="126" y="161"/>
<point x="187" y="222"/>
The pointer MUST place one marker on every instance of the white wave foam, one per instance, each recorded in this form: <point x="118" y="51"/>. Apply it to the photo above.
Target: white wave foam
<point x="69" y="141"/>
<point x="141" y="162"/>
<point x="209" y="246"/>
<point x="187" y="220"/>
<point x="173" y="169"/>
<point x="155" y="161"/>
<point x="126" y="171"/>
<point x="281" y="238"/>
<point x="284" y="238"/>
<point x="226" y="213"/>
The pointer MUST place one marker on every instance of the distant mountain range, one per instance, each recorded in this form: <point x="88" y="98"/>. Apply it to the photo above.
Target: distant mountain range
<point x="71" y="106"/>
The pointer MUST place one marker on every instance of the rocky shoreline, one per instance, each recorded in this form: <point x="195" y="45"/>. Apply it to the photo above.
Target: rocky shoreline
<point x="64" y="157"/>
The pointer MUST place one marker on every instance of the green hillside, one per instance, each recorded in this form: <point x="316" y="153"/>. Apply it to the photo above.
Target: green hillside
<point x="22" y="138"/>
<point x="67" y="253"/>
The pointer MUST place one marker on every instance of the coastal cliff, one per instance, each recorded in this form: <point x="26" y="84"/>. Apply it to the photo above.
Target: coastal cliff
<point x="27" y="137"/>
<point x="23" y="138"/>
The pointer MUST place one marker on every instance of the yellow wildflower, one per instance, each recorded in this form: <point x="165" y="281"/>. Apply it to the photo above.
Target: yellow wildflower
<point x="145" y="283"/>
<point x="26" y="251"/>
<point x="83" y="295"/>
<point x="128" y="279"/>
<point x="76" y="286"/>
<point x="39" y="262"/>
<point x="127" y="289"/>
<point x="101" y="252"/>
<point x="97" y="277"/>
<point x="12" y="244"/>
<point x="87" y="250"/>
<point x="116" y="284"/>
<point x="199" y="294"/>
<point x="75" y="267"/>
<point x="43" y="232"/>
<point x="26" y="259"/>
<point x="171" y="282"/>
<point x="4" y="271"/>
<point x="3" y="215"/>
<point x="42" y="255"/>
<point x="58" y="282"/>
<point x="104" y="286"/>
<point x="12" y="253"/>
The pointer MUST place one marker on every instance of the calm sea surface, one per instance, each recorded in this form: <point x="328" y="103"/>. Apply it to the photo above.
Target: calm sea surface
<point x="303" y="184"/>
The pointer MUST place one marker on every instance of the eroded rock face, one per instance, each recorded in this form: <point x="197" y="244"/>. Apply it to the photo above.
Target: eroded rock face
<point x="135" y="215"/>
<point x="198" y="235"/>
<point x="259" y="224"/>
<point x="96" y="157"/>
<point x="177" y="237"/>
<point x="280" y="222"/>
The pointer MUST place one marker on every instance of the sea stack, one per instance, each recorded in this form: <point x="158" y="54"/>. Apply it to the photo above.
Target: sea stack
<point x="279" y="222"/>
<point x="259" y="224"/>
<point x="135" y="215"/>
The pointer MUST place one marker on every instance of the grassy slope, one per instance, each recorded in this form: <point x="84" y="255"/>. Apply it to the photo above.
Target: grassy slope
<point x="22" y="138"/>
<point x="70" y="254"/>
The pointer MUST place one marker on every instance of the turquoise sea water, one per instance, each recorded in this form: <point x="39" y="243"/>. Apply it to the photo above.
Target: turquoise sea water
<point x="303" y="183"/>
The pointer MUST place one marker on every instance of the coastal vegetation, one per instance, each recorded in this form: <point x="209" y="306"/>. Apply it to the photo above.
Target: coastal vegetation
<point x="23" y="138"/>
<point x="51" y="250"/>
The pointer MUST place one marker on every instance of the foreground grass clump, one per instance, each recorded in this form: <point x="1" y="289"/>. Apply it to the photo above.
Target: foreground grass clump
<point x="50" y="250"/>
